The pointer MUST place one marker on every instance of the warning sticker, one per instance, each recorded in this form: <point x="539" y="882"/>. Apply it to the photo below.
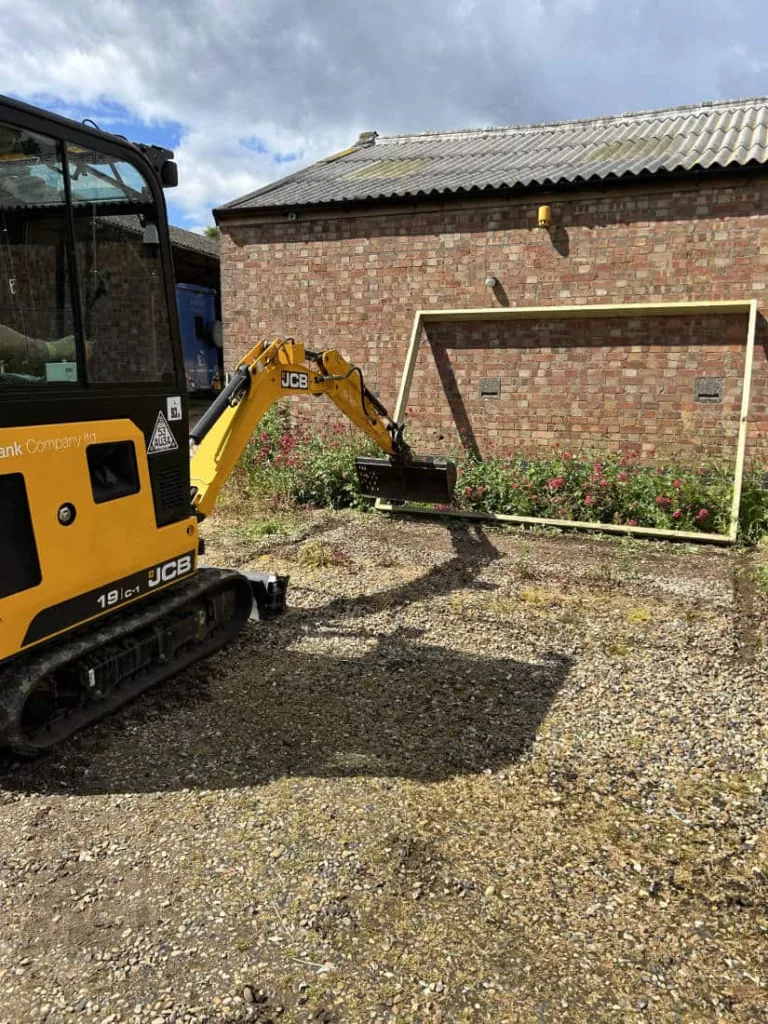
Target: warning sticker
<point x="174" y="408"/>
<point x="162" y="437"/>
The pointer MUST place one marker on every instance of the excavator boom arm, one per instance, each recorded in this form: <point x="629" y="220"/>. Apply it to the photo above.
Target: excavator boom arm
<point x="273" y="370"/>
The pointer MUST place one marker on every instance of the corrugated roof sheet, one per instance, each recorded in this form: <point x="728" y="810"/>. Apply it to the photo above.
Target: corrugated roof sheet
<point x="180" y="237"/>
<point x="192" y="240"/>
<point x="711" y="135"/>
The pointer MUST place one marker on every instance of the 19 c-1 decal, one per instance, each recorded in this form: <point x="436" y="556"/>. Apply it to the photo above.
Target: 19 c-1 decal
<point x="86" y="606"/>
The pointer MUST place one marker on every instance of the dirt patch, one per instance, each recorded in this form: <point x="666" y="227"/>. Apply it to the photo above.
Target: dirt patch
<point x="472" y="775"/>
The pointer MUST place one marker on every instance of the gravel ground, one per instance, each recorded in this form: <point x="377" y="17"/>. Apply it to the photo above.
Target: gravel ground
<point x="473" y="775"/>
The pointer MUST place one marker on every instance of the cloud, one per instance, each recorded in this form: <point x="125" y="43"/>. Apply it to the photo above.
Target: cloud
<point x="248" y="84"/>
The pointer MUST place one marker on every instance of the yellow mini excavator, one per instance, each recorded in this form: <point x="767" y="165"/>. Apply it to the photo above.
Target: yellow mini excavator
<point x="102" y="485"/>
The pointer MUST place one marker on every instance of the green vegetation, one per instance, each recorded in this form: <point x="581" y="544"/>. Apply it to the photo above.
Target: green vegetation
<point x="311" y="469"/>
<point x="759" y="576"/>
<point x="295" y="466"/>
<point x="613" y="489"/>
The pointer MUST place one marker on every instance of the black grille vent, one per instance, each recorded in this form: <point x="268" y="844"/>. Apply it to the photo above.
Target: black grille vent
<point x="490" y="387"/>
<point x="708" y="389"/>
<point x="19" y="564"/>
<point x="170" y="488"/>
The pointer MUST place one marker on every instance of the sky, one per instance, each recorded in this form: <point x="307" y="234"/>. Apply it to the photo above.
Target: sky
<point x="247" y="91"/>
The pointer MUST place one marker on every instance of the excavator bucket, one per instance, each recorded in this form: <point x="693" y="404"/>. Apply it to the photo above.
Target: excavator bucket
<point x="428" y="480"/>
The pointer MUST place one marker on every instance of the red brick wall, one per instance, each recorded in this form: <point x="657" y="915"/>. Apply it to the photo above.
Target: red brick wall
<point x="354" y="281"/>
<point x="583" y="383"/>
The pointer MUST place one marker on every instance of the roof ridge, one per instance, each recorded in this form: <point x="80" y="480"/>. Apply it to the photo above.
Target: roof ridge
<point x="691" y="138"/>
<point x="602" y="119"/>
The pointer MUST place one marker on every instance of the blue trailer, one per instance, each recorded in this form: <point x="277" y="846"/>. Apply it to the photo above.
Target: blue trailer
<point x="199" y="338"/>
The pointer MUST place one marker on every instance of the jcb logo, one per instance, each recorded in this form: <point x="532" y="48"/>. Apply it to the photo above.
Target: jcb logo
<point x="289" y="379"/>
<point x="170" y="570"/>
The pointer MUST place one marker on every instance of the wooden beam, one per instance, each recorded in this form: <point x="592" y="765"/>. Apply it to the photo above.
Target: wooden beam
<point x="498" y="517"/>
<point x="585" y="312"/>
<point x="615" y="310"/>
<point x="741" y="443"/>
<point x="410" y="366"/>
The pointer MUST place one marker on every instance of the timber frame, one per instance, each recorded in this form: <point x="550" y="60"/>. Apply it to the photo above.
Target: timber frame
<point x="748" y="306"/>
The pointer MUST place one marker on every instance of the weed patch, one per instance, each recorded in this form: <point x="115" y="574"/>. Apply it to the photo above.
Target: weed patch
<point x="600" y="574"/>
<point x="759" y="575"/>
<point x="618" y="649"/>
<point x="266" y="528"/>
<point x="638" y="616"/>
<point x="525" y="570"/>
<point x="316" y="554"/>
<point x="538" y="596"/>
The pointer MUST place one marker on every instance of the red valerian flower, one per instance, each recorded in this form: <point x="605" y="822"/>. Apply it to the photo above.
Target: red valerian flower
<point x="676" y="514"/>
<point x="677" y="484"/>
<point x="623" y="477"/>
<point x="631" y="522"/>
<point x="556" y="481"/>
<point x="663" y="501"/>
<point x="589" y="500"/>
<point x="702" y="513"/>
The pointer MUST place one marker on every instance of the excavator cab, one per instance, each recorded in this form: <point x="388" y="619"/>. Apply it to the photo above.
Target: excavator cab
<point x="88" y="324"/>
<point x="95" y="515"/>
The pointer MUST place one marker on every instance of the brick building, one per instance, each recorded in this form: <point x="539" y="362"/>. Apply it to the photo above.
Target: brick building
<point x="659" y="206"/>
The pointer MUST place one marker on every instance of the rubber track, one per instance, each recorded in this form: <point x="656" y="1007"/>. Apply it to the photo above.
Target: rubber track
<point x="21" y="676"/>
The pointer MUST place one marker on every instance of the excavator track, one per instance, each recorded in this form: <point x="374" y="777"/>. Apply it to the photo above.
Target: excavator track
<point x="50" y="695"/>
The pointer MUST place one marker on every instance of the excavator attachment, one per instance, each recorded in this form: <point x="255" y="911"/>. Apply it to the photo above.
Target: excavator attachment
<point x="427" y="480"/>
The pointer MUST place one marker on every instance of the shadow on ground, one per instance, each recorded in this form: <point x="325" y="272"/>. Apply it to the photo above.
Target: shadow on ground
<point x="321" y="693"/>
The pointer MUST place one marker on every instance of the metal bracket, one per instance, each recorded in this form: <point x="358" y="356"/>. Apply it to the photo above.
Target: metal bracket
<point x="269" y="594"/>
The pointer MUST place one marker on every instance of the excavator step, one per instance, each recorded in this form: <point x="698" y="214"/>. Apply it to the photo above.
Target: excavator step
<point x="425" y="480"/>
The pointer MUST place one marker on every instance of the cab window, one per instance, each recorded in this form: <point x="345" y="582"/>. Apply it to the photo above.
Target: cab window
<point x="37" y="335"/>
<point x="122" y="287"/>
